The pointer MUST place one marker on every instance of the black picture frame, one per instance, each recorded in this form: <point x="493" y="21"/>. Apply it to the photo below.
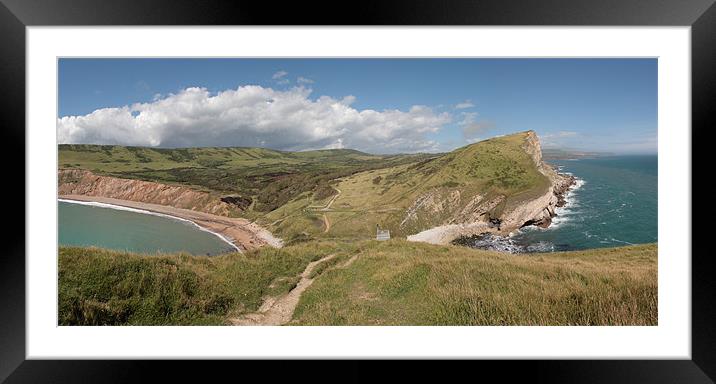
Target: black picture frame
<point x="15" y="15"/>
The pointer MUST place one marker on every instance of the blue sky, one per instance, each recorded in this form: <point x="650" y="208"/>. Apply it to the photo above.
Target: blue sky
<point x="375" y="105"/>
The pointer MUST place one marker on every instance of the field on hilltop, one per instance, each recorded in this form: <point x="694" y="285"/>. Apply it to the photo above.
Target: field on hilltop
<point x="336" y="194"/>
<point x="362" y="283"/>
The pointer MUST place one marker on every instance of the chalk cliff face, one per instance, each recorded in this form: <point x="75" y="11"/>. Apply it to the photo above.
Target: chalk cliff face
<point x="540" y="210"/>
<point x="82" y="182"/>
<point x="478" y="215"/>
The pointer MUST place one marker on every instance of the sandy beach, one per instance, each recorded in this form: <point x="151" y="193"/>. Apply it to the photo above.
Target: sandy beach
<point x="241" y="232"/>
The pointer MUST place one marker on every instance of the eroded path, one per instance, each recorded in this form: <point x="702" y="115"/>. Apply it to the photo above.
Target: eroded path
<point x="279" y="310"/>
<point x="327" y="208"/>
<point x="326" y="223"/>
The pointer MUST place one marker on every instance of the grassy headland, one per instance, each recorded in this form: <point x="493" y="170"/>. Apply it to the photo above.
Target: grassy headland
<point x="288" y="192"/>
<point x="366" y="283"/>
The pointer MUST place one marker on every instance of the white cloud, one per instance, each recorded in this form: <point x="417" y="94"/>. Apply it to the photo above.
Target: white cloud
<point x="464" y="105"/>
<point x="467" y="118"/>
<point x="558" y="138"/>
<point x="256" y="116"/>
<point x="559" y="134"/>
<point x="473" y="130"/>
<point x="304" y="80"/>
<point x="279" y="75"/>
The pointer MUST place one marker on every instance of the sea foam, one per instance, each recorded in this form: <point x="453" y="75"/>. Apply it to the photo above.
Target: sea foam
<point x="571" y="202"/>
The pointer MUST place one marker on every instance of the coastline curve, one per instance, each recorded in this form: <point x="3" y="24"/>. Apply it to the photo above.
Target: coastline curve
<point x="147" y="212"/>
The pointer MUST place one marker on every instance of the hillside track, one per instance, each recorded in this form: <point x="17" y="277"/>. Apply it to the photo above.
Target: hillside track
<point x="279" y="310"/>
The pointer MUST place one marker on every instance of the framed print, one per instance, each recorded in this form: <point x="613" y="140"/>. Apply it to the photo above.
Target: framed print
<point x="482" y="182"/>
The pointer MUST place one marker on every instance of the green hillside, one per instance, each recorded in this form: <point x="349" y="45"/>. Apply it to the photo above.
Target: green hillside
<point x="333" y="194"/>
<point x="366" y="283"/>
<point x="498" y="167"/>
<point x="272" y="178"/>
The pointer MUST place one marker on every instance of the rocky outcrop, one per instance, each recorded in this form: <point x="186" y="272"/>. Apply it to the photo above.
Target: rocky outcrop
<point x="478" y="209"/>
<point x="476" y="217"/>
<point x="240" y="202"/>
<point x="540" y="211"/>
<point x="434" y="202"/>
<point x="82" y="182"/>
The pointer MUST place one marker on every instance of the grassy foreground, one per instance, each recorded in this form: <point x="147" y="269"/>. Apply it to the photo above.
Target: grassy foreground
<point x="103" y="287"/>
<point x="402" y="283"/>
<point x="388" y="283"/>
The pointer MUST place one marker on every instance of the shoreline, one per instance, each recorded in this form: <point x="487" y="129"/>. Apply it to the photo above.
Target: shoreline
<point x="238" y="232"/>
<point x="503" y="243"/>
<point x="448" y="233"/>
<point x="145" y="212"/>
<point x="567" y="198"/>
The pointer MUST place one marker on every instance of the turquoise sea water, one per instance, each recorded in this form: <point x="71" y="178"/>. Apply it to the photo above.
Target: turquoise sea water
<point x="85" y="225"/>
<point x="614" y="204"/>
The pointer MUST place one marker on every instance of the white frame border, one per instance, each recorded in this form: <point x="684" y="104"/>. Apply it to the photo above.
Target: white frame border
<point x="670" y="339"/>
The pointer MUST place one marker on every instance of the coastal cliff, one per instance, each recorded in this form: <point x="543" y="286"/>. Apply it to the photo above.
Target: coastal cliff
<point x="86" y="183"/>
<point x="539" y="211"/>
<point x="501" y="214"/>
<point x="204" y="209"/>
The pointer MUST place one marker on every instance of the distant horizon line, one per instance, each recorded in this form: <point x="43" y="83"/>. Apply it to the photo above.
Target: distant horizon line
<point x="566" y="150"/>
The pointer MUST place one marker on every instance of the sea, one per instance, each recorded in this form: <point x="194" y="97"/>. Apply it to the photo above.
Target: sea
<point x="126" y="229"/>
<point x="614" y="203"/>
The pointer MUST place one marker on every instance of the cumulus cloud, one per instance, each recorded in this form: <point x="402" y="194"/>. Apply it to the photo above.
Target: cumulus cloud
<point x="256" y="116"/>
<point x="464" y="105"/>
